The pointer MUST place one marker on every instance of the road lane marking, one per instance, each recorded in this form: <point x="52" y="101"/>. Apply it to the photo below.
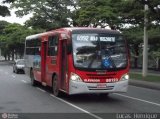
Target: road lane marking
<point x="41" y="90"/>
<point x="153" y="103"/>
<point x="87" y="112"/>
<point x="24" y="81"/>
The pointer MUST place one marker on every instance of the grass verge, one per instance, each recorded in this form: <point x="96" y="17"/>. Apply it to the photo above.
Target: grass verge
<point x="150" y="78"/>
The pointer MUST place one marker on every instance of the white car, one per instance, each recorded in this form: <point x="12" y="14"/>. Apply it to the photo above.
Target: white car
<point x="18" y="66"/>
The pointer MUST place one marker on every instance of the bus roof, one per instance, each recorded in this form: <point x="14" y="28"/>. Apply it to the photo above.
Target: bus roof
<point x="91" y="30"/>
<point x="74" y="30"/>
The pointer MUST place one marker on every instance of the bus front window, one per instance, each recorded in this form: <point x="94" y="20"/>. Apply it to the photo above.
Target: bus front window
<point x="99" y="51"/>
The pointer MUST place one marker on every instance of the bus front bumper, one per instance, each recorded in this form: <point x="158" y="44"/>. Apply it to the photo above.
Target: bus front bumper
<point x="86" y="88"/>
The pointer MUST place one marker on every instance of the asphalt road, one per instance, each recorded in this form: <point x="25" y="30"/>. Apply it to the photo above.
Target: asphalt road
<point x="19" y="97"/>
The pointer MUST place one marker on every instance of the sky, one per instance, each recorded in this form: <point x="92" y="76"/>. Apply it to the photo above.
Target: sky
<point x="13" y="18"/>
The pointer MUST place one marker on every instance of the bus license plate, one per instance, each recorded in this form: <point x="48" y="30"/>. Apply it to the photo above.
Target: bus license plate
<point x="101" y="85"/>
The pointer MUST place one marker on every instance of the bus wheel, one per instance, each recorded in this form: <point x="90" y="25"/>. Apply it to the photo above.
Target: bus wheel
<point x="33" y="81"/>
<point x="55" y="87"/>
<point x="16" y="71"/>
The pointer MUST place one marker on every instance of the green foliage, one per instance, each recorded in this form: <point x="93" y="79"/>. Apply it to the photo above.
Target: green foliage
<point x="97" y="13"/>
<point x="114" y="13"/>
<point x="47" y="14"/>
<point x="8" y="1"/>
<point x="154" y="35"/>
<point x="13" y="38"/>
<point x="132" y="12"/>
<point x="4" y="10"/>
<point x="154" y="11"/>
<point x="134" y="35"/>
<point x="15" y="33"/>
<point x="51" y="14"/>
<point x="150" y="78"/>
<point x="3" y="24"/>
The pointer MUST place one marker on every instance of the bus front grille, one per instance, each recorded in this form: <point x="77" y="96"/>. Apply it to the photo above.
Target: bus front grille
<point x="113" y="74"/>
<point x="95" y="88"/>
<point x="101" y="76"/>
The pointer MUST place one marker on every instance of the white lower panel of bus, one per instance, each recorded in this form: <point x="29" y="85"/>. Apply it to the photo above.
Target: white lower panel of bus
<point x="84" y="88"/>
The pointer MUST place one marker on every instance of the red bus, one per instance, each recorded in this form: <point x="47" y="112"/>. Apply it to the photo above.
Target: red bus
<point x="78" y="60"/>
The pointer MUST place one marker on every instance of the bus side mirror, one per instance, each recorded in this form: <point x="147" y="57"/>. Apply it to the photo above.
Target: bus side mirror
<point x="69" y="48"/>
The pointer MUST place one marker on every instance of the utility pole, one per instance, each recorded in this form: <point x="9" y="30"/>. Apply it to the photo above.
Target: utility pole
<point x="145" y="47"/>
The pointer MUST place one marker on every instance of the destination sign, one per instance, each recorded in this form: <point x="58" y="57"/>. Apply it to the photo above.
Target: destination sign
<point x="88" y="38"/>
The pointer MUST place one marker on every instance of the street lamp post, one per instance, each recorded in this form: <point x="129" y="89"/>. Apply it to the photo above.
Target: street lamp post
<point x="145" y="48"/>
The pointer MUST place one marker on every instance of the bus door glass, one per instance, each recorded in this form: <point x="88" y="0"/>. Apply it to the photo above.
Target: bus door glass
<point x="43" y="60"/>
<point x="63" y="64"/>
<point x="36" y="58"/>
<point x="51" y="63"/>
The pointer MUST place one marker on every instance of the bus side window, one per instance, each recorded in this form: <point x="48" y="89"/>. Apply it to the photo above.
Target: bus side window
<point x="32" y="47"/>
<point x="52" y="45"/>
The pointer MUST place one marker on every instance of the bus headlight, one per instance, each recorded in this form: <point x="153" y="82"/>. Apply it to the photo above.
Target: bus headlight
<point x="125" y="77"/>
<point x="75" y="77"/>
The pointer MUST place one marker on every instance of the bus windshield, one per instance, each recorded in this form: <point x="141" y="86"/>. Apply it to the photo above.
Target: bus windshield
<point x="99" y="51"/>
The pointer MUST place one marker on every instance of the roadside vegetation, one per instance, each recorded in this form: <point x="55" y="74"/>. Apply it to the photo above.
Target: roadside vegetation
<point x="150" y="78"/>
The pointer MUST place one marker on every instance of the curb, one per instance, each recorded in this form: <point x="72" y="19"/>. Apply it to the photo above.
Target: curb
<point x="144" y="84"/>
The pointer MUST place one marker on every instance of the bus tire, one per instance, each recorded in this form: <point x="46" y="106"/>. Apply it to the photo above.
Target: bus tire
<point x="55" y="86"/>
<point x="16" y="71"/>
<point x="33" y="81"/>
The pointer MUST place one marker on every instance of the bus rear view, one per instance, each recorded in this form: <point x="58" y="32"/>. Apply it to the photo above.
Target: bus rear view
<point x="100" y="62"/>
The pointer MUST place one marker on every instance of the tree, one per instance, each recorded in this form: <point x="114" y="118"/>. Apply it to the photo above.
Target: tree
<point x="132" y="12"/>
<point x="97" y="13"/>
<point x="4" y="10"/>
<point x="37" y="22"/>
<point x="134" y="36"/>
<point x="3" y="24"/>
<point x="47" y="14"/>
<point x="14" y="37"/>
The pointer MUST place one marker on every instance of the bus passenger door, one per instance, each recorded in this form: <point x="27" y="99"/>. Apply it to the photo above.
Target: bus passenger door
<point x="43" y="62"/>
<point x="63" y="65"/>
